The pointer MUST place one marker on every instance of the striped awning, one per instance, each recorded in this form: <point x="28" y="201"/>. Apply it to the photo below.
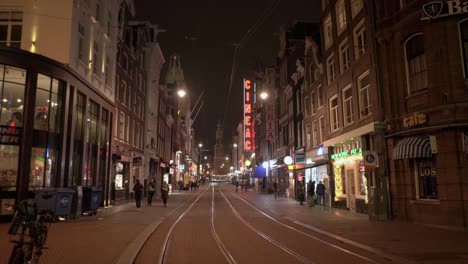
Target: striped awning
<point x="413" y="147"/>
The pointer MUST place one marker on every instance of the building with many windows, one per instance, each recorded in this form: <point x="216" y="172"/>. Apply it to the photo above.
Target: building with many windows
<point x="60" y="95"/>
<point x="423" y="62"/>
<point x="354" y="108"/>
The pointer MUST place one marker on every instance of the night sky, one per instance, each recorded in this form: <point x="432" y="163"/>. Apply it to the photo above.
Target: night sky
<point x="203" y="33"/>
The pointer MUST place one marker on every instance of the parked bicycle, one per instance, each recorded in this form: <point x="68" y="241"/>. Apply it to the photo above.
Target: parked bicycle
<point x="29" y="230"/>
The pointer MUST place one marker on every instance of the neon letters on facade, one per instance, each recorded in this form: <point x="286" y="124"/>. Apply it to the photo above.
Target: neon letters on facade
<point x="248" y="116"/>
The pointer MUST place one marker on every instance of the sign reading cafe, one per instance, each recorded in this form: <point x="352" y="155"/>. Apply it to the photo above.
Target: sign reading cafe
<point x="249" y="94"/>
<point x="439" y="9"/>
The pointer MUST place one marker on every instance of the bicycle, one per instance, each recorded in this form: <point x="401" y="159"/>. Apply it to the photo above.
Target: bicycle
<point x="30" y="226"/>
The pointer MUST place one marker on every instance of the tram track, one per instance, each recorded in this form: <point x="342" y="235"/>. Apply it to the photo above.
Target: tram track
<point x="330" y="240"/>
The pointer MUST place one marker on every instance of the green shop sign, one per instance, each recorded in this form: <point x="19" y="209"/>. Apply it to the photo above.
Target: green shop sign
<point x="347" y="153"/>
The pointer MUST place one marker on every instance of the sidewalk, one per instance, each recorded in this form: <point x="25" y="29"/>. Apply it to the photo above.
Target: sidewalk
<point x="418" y="243"/>
<point x="102" y="238"/>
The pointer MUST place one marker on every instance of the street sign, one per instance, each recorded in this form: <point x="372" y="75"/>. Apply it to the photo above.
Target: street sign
<point x="370" y="159"/>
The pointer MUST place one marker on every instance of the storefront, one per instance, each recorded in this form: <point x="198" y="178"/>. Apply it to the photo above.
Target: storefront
<point x="350" y="179"/>
<point x="54" y="128"/>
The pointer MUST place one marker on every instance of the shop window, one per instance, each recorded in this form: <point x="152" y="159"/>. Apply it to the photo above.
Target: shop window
<point x="90" y="176"/>
<point x="48" y="106"/>
<point x="464" y="44"/>
<point x="79" y="120"/>
<point x="416" y="72"/>
<point x="9" y="157"/>
<point x="426" y="178"/>
<point x="12" y="86"/>
<point x="11" y="24"/>
<point x="103" y="146"/>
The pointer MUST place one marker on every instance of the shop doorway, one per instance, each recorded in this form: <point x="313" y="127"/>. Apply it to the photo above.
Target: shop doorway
<point x="351" y="189"/>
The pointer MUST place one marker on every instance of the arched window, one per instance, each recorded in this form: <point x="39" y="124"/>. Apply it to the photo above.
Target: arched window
<point x="464" y="45"/>
<point x="415" y="64"/>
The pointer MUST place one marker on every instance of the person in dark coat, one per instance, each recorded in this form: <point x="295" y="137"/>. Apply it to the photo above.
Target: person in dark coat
<point x="311" y="192"/>
<point x="275" y="188"/>
<point x="151" y="190"/>
<point x="137" y="189"/>
<point x="165" y="192"/>
<point x="321" y="193"/>
<point x="300" y="192"/>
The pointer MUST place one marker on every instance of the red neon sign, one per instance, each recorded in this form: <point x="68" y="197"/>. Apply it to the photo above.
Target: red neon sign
<point x="248" y="120"/>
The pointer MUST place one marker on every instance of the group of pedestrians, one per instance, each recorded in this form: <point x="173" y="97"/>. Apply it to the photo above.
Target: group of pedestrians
<point x="312" y="191"/>
<point x="244" y="185"/>
<point x="138" y="190"/>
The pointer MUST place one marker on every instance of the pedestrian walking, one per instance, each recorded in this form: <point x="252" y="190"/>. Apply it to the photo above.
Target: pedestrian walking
<point x="321" y="193"/>
<point x="137" y="189"/>
<point x="151" y="190"/>
<point x="237" y="186"/>
<point x="246" y="185"/>
<point x="165" y="192"/>
<point x="310" y="193"/>
<point x="275" y="187"/>
<point x="300" y="192"/>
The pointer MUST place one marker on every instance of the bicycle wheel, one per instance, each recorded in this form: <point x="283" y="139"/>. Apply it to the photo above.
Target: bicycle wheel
<point x="17" y="255"/>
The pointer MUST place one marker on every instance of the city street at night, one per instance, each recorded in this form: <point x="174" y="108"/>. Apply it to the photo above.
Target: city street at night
<point x="208" y="131"/>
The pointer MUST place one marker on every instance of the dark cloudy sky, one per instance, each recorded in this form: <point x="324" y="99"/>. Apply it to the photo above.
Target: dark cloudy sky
<point x="203" y="33"/>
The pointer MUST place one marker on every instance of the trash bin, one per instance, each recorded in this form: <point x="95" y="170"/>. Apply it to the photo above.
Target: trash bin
<point x="58" y="200"/>
<point x="91" y="200"/>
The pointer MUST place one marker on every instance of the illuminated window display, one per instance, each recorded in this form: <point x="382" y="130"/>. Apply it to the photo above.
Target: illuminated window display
<point x="8" y="166"/>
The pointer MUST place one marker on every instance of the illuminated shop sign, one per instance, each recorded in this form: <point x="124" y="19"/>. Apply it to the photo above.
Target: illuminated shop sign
<point x="249" y="132"/>
<point x="270" y="122"/>
<point x="414" y="120"/>
<point x="347" y="153"/>
<point x="439" y="9"/>
<point x="10" y="135"/>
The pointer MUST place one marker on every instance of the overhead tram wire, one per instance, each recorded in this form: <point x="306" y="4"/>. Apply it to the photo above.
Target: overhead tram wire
<point x="238" y="46"/>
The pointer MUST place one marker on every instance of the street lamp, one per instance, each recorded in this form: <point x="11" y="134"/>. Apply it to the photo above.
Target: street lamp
<point x="181" y="93"/>
<point x="263" y="95"/>
<point x="200" y="145"/>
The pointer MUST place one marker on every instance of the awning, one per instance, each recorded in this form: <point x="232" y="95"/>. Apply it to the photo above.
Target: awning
<point x="413" y="147"/>
<point x="259" y="172"/>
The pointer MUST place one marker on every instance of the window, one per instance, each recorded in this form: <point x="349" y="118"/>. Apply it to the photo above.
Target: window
<point x="321" y="128"/>
<point x="360" y="39"/>
<point x="331" y="69"/>
<point x="96" y="58"/>
<point x="12" y="87"/>
<point x="340" y="16"/>
<point x="348" y="105"/>
<point x="308" y="136"/>
<point x="312" y="102"/>
<point x="48" y="107"/>
<point x="314" y="134"/>
<point x="90" y="174"/>
<point x="109" y="24"/>
<point x="364" y="98"/>
<point x="11" y="23"/>
<point x="426" y="177"/>
<point x="122" y="91"/>
<point x="98" y="10"/>
<point x="307" y="106"/>
<point x="319" y="96"/>
<point x="125" y="62"/>
<point x="81" y="42"/>
<point x="344" y="56"/>
<point x="325" y="3"/>
<point x="107" y="72"/>
<point x="129" y="97"/>
<point x="127" y="129"/>
<point x="464" y="45"/>
<point x="328" y="30"/>
<point x="356" y="6"/>
<point x="334" y="122"/>
<point x="415" y="64"/>
<point x="122" y="126"/>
